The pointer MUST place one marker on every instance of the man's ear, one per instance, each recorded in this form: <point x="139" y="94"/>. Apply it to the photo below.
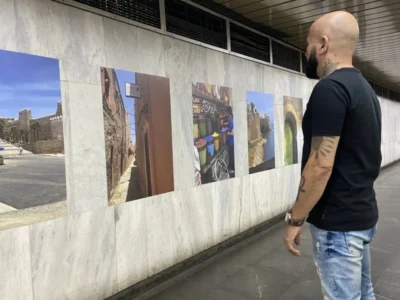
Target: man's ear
<point x="323" y="47"/>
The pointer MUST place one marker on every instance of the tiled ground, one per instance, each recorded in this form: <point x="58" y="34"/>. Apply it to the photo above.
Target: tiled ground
<point x="261" y="268"/>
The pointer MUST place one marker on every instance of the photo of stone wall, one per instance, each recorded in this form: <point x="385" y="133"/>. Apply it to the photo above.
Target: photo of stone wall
<point x="293" y="116"/>
<point x="213" y="133"/>
<point x="261" y="131"/>
<point x="138" y="138"/>
<point x="32" y="163"/>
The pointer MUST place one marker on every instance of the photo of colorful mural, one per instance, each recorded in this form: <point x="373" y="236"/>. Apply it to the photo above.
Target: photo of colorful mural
<point x="138" y="138"/>
<point x="213" y="133"/>
<point x="32" y="165"/>
<point x="293" y="116"/>
<point x="260" y="128"/>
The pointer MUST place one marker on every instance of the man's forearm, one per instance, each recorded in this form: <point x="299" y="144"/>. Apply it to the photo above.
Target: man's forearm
<point x="312" y="185"/>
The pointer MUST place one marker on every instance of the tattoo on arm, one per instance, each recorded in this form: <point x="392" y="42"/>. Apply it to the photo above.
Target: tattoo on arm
<point x="301" y="187"/>
<point x="322" y="146"/>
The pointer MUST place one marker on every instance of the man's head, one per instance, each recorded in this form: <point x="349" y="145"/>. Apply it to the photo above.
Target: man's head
<point x="332" y="40"/>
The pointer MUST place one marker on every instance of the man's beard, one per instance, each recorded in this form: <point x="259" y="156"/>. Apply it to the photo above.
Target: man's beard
<point x="312" y="66"/>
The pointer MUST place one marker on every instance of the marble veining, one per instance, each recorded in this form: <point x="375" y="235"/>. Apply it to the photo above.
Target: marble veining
<point x="239" y="106"/>
<point x="86" y="166"/>
<point x="8" y="29"/>
<point x="176" y="61"/>
<point x="15" y="265"/>
<point x="215" y="65"/>
<point x="150" y="49"/>
<point x="160" y="224"/>
<point x="75" y="257"/>
<point x="131" y="242"/>
<point x="120" y="46"/>
<point x="279" y="135"/>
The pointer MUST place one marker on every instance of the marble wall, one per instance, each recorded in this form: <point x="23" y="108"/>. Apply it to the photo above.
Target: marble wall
<point x="98" y="250"/>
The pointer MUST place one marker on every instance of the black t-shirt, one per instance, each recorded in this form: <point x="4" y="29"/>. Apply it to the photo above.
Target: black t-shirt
<point x="344" y="104"/>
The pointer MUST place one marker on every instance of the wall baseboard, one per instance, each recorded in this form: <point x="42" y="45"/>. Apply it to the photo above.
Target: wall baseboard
<point x="162" y="280"/>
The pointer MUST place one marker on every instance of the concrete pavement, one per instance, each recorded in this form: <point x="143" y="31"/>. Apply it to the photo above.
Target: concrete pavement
<point x="261" y="268"/>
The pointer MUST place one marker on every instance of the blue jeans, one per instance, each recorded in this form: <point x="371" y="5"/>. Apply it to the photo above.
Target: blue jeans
<point x="343" y="263"/>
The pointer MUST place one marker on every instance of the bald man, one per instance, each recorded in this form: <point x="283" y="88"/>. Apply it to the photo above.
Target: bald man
<point x="341" y="160"/>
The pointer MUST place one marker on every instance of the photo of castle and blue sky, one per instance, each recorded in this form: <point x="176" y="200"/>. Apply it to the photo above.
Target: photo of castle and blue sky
<point x="28" y="81"/>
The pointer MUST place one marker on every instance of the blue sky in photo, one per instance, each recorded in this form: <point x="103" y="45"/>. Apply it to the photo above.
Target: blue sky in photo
<point x="124" y="77"/>
<point x="28" y="81"/>
<point x="263" y="102"/>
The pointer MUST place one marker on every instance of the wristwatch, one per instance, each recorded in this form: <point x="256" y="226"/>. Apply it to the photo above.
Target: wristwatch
<point x="293" y="222"/>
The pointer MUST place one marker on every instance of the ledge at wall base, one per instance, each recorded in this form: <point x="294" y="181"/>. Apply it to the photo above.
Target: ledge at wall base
<point x="390" y="164"/>
<point x="159" y="282"/>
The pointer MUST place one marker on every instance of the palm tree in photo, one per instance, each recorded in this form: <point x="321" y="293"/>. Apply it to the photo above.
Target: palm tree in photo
<point x="35" y="129"/>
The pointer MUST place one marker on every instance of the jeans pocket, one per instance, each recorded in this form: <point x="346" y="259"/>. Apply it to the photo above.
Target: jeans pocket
<point x="354" y="245"/>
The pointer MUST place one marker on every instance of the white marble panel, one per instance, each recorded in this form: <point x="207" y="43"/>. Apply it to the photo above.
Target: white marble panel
<point x="289" y="185"/>
<point x="160" y="223"/>
<point x="269" y="80"/>
<point x="215" y="67"/>
<point x="33" y="30"/>
<point x="255" y="76"/>
<point x="15" y="264"/>
<point x="282" y="85"/>
<point x="120" y="45"/>
<point x="279" y="135"/>
<point x="131" y="243"/>
<point x="223" y="207"/>
<point x="265" y="197"/>
<point x="295" y="81"/>
<point x="150" y="49"/>
<point x="86" y="165"/>
<point x="75" y="257"/>
<point x="242" y="201"/>
<point x="56" y="30"/>
<point x="197" y="63"/>
<point x="8" y="29"/>
<point x="255" y="187"/>
<point x="239" y="106"/>
<point x="234" y="75"/>
<point x="193" y="229"/>
<point x="176" y="62"/>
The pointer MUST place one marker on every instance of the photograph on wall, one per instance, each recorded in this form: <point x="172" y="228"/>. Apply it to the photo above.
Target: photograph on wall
<point x="32" y="164"/>
<point x="213" y="133"/>
<point x="260" y="130"/>
<point x="293" y="116"/>
<point x="138" y="138"/>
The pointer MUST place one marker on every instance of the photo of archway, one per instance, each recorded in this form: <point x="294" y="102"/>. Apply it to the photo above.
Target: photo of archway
<point x="213" y="133"/>
<point x="32" y="164"/>
<point x="293" y="116"/>
<point x="260" y="130"/>
<point x="138" y="138"/>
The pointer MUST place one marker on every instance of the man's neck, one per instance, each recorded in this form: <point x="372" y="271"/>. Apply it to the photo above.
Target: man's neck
<point x="333" y="65"/>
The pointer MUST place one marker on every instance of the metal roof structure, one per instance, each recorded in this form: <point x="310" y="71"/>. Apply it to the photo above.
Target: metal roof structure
<point x="378" y="51"/>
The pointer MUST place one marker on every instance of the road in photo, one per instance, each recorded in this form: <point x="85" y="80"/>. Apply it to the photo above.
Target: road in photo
<point x="32" y="181"/>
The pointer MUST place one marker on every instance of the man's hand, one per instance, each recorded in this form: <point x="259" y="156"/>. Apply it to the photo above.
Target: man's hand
<point x="292" y="235"/>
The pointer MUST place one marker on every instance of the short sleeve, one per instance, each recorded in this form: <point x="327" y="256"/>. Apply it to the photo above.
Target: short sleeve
<point x="329" y="103"/>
